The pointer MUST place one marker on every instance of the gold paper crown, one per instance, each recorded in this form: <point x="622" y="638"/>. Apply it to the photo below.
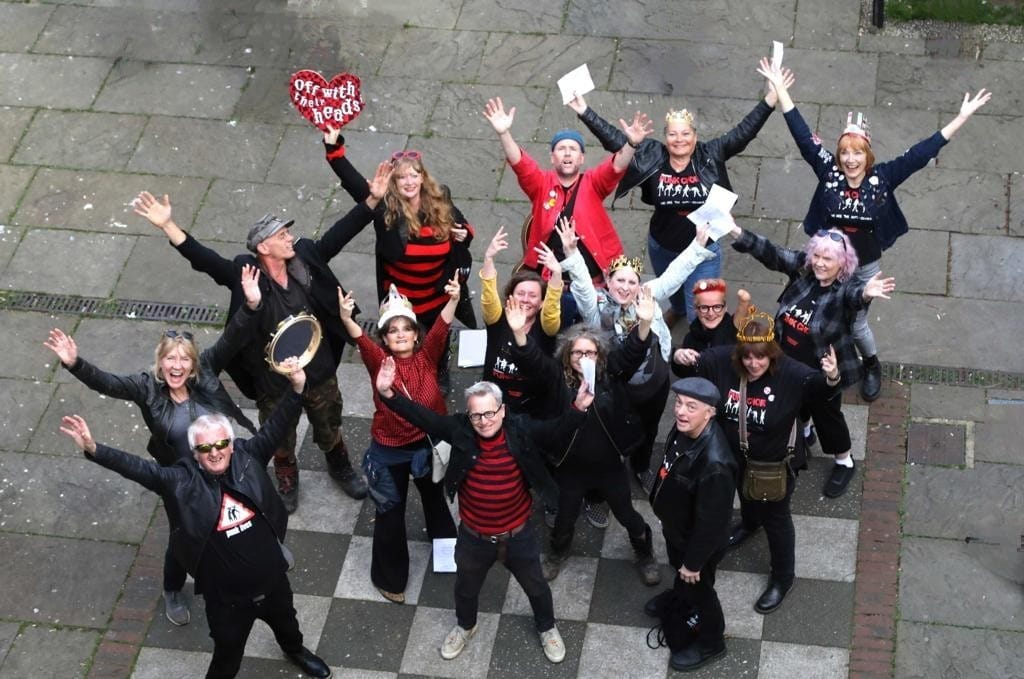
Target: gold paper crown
<point x="860" y="128"/>
<point x="680" y="116"/>
<point x="623" y="262"/>
<point x="755" y="316"/>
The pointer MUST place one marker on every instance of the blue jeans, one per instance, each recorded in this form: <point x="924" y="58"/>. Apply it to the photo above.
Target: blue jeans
<point x="682" y="300"/>
<point x="474" y="558"/>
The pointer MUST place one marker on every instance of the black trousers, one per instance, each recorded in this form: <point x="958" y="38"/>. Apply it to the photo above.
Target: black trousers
<point x="230" y="624"/>
<point x="389" y="566"/>
<point x="614" y="488"/>
<point x="833" y="432"/>
<point x="777" y="519"/>
<point x="474" y="558"/>
<point x="702" y="594"/>
<point x="174" y="572"/>
<point x="650" y="411"/>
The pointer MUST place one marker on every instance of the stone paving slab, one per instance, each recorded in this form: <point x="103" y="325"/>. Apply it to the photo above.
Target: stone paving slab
<point x="985" y="267"/>
<point x="26" y="357"/>
<point x="460" y="106"/>
<point x="981" y="145"/>
<point x="32" y="79"/>
<point x="47" y="652"/>
<point x="457" y="54"/>
<point x="952" y="402"/>
<point x="915" y="82"/>
<point x="919" y="262"/>
<point x="102" y="201"/>
<point x="46" y="580"/>
<point x="117" y="423"/>
<point x="516" y="59"/>
<point x="71" y="497"/>
<point x="940" y="595"/>
<point x="177" y="281"/>
<point x="96" y="259"/>
<point x="80" y="140"/>
<point x="230" y="208"/>
<point x="209" y="148"/>
<point x="13" y="122"/>
<point x="826" y="25"/>
<point x="21" y="405"/>
<point x="22" y="24"/>
<point x="1016" y="210"/>
<point x="927" y="650"/>
<point x="172" y="89"/>
<point x="13" y="181"/>
<point x="9" y="238"/>
<point x="984" y="214"/>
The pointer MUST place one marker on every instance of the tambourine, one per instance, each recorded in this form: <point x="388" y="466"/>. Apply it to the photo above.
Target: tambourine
<point x="295" y="336"/>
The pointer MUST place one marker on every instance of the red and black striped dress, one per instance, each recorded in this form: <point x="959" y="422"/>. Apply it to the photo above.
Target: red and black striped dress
<point x="418" y="274"/>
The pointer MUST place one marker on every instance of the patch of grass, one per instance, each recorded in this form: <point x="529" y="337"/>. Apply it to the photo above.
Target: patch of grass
<point x="1009" y="12"/>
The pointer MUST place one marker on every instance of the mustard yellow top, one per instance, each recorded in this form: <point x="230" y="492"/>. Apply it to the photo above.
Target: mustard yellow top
<point x="492" y="306"/>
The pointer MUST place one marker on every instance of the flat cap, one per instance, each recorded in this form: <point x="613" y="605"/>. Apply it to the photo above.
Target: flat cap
<point x="265" y="228"/>
<point x="699" y="388"/>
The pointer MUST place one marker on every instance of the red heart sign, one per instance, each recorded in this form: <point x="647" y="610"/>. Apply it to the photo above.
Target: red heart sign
<point x="335" y="103"/>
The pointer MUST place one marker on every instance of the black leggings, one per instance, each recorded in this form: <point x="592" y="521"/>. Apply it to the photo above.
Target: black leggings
<point x="614" y="490"/>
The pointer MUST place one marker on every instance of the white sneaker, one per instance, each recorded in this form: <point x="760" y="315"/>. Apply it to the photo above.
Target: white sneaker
<point x="554" y="647"/>
<point x="456" y="641"/>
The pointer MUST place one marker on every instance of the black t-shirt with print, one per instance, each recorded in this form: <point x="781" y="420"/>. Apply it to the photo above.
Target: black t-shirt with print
<point x="674" y="195"/>
<point x="846" y="210"/>
<point x="242" y="558"/>
<point x="526" y="394"/>
<point x="773" y="401"/>
<point x="795" y="329"/>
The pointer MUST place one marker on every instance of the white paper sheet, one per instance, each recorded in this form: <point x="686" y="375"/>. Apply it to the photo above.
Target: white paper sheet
<point x="589" y="369"/>
<point x="776" y="54"/>
<point x="444" y="555"/>
<point x="576" y="81"/>
<point x="715" y="211"/>
<point x="472" y="348"/>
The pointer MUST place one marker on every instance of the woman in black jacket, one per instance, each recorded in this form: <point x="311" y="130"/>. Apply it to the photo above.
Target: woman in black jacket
<point x="182" y="385"/>
<point x="675" y="176"/>
<point x="591" y="457"/>
<point x="767" y="389"/>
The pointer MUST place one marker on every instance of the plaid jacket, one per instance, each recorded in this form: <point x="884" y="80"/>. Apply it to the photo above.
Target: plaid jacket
<point x="836" y="308"/>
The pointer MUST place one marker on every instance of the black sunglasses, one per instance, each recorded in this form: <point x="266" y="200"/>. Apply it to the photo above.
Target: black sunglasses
<point x="174" y="334"/>
<point x="205" y="448"/>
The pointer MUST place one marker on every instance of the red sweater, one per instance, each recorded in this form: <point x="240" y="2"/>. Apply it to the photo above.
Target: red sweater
<point x="416" y="377"/>
<point x="592" y="221"/>
<point x="493" y="497"/>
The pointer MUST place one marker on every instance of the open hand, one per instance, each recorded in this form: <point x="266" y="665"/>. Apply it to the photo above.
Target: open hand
<point x="158" y="212"/>
<point x="645" y="303"/>
<point x="496" y="115"/>
<point x="637" y="130"/>
<point x="566" y="228"/>
<point x="879" y="287"/>
<point x="547" y="257"/>
<point x="251" y="286"/>
<point x="972" y="104"/>
<point x="63" y="346"/>
<point x="386" y="377"/>
<point x="381" y="178"/>
<point x="515" y="316"/>
<point x="75" y="427"/>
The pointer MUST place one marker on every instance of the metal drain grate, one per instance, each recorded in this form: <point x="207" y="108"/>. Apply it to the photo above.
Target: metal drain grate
<point x="962" y="377"/>
<point x="113" y="308"/>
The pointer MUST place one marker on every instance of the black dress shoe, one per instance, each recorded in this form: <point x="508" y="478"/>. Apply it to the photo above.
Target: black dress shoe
<point x="696" y="655"/>
<point x="310" y="663"/>
<point x="772" y="597"/>
<point x="838" y="480"/>
<point x="871" y="385"/>
<point x="738" y="535"/>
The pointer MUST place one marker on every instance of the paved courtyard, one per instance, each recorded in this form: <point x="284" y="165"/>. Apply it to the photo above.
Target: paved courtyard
<point x="915" y="573"/>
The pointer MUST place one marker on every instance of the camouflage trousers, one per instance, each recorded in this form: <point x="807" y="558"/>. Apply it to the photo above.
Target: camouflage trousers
<point x="323" y="406"/>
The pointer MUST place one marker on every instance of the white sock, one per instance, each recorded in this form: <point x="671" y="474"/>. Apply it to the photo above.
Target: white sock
<point x="847" y="462"/>
<point x="807" y="430"/>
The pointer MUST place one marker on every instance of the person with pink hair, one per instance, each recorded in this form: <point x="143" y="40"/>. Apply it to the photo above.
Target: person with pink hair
<point x="816" y="310"/>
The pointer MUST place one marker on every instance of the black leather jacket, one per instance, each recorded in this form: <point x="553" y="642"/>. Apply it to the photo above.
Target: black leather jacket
<point x="192" y="496"/>
<point x="152" y="396"/>
<point x="522" y="433"/>
<point x="708" y="157"/>
<point x="694" y="501"/>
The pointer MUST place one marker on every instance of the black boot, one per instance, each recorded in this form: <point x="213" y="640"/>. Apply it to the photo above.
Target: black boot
<point x="773" y="596"/>
<point x="643" y="547"/>
<point x="340" y="469"/>
<point x="697" y="654"/>
<point x="738" y="535"/>
<point x="871" y="385"/>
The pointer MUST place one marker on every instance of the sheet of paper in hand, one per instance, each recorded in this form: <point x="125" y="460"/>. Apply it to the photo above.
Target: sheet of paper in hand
<point x="335" y="103"/>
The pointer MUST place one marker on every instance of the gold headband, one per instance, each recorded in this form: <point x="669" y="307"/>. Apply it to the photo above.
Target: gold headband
<point x="755" y="316"/>
<point x="623" y="262"/>
<point x="680" y="116"/>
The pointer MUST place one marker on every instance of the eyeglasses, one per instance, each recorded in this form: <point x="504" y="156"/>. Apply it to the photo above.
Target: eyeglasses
<point x="583" y="353"/>
<point x="488" y="415"/>
<point x="204" y="448"/>
<point x="834" y="235"/>
<point x="405" y="155"/>
<point x="709" y="308"/>
<point x="174" y="334"/>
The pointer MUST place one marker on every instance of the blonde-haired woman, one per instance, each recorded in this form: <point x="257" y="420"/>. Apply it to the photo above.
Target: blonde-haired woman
<point x="675" y="176"/>
<point x="182" y="385"/>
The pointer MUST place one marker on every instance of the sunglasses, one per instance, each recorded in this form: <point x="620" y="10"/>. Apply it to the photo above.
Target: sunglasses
<point x="405" y="155"/>
<point x="174" y="334"/>
<point x="205" y="448"/>
<point x="834" y="235"/>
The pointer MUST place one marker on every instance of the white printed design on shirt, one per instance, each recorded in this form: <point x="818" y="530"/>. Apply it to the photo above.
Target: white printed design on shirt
<point x="234" y="516"/>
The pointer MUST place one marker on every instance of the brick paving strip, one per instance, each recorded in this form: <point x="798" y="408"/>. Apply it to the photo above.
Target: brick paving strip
<point x="872" y="651"/>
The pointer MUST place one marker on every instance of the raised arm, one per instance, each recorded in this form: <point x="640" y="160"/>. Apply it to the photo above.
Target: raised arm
<point x="285" y="414"/>
<point x="158" y="212"/>
<point x="967" y="109"/>
<point x="665" y="285"/>
<point x="238" y="332"/>
<point x="636" y="131"/>
<point x="421" y="417"/>
<point x="501" y="121"/>
<point x="581" y="285"/>
<point x="454" y="290"/>
<point x="346" y="307"/>
<point x="356" y="219"/>
<point x="125" y="387"/>
<point x="352" y="180"/>
<point x="146" y="473"/>
<point x="779" y="81"/>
